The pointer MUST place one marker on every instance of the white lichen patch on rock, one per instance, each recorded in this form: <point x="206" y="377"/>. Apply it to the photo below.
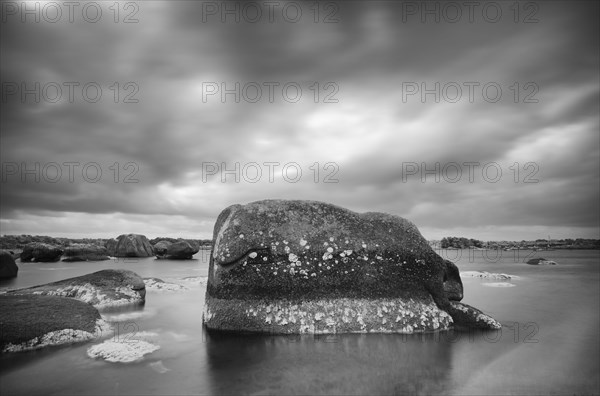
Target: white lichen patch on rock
<point x="92" y="295"/>
<point x="195" y="280"/>
<point x="158" y="285"/>
<point x="131" y="350"/>
<point x="486" y="275"/>
<point x="99" y="289"/>
<point x="344" y="315"/>
<point x="86" y="293"/>
<point x="478" y="316"/>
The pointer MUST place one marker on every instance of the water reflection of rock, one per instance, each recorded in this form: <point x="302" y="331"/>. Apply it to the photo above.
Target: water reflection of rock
<point x="332" y="364"/>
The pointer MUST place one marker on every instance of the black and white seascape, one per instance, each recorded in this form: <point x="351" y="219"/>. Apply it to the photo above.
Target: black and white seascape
<point x="299" y="197"/>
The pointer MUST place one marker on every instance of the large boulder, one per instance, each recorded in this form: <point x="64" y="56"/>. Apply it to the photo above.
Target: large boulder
<point x="180" y="250"/>
<point x="311" y="267"/>
<point x="34" y="321"/>
<point x="41" y="252"/>
<point x="85" y="252"/>
<point x="8" y="267"/>
<point x="102" y="289"/>
<point x="133" y="245"/>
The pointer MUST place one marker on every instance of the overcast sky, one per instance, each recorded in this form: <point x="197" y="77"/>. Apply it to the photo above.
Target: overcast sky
<point x="341" y="87"/>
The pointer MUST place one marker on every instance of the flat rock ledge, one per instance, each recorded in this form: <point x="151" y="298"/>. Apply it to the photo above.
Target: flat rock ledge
<point x="487" y="275"/>
<point x="326" y="316"/>
<point x="32" y="322"/>
<point x="103" y="289"/>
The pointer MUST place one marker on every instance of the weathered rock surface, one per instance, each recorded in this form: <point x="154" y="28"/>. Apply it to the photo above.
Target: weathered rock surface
<point x="85" y="252"/>
<point x="41" y="252"/>
<point x="111" y="247"/>
<point x="304" y="266"/>
<point x="102" y="289"/>
<point x="180" y="250"/>
<point x="132" y="245"/>
<point x="8" y="267"/>
<point x="160" y="248"/>
<point x="540" y="261"/>
<point x="35" y="321"/>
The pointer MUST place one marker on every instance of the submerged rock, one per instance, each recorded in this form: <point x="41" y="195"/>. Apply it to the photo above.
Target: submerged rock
<point x="102" y="289"/>
<point x="541" y="261"/>
<point x="131" y="245"/>
<point x="34" y="321"/>
<point x="311" y="267"/>
<point x="40" y="252"/>
<point x="8" y="267"/>
<point x="85" y="252"/>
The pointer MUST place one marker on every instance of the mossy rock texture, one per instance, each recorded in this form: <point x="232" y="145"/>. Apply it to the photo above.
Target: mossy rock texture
<point x="179" y="250"/>
<point x="40" y="252"/>
<point x="85" y="252"/>
<point x="129" y="245"/>
<point x="8" y="266"/>
<point x="102" y="289"/>
<point x="306" y="259"/>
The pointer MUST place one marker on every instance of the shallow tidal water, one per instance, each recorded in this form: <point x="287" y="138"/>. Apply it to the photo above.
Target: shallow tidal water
<point x="549" y="343"/>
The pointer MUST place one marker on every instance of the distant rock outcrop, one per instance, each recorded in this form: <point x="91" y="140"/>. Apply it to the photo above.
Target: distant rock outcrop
<point x="312" y="267"/>
<point x="85" y="252"/>
<point x="160" y="248"/>
<point x="180" y="250"/>
<point x="131" y="245"/>
<point x="541" y="261"/>
<point x="41" y="252"/>
<point x="8" y="267"/>
<point x="102" y="289"/>
<point x="111" y="247"/>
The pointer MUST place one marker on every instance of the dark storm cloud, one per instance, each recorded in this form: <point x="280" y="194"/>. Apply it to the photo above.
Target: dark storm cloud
<point x="369" y="54"/>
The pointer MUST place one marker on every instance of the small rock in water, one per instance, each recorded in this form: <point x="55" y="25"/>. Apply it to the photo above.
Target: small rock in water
<point x="123" y="351"/>
<point x="486" y="275"/>
<point x="540" y="261"/>
<point x="156" y="284"/>
<point x="499" y="284"/>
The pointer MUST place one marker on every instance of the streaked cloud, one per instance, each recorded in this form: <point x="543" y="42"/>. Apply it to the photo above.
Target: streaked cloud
<point x="368" y="135"/>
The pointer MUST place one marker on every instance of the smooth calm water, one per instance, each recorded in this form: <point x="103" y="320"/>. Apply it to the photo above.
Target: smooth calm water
<point x="549" y="343"/>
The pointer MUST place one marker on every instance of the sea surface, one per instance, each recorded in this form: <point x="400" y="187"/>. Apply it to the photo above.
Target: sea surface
<point x="549" y="343"/>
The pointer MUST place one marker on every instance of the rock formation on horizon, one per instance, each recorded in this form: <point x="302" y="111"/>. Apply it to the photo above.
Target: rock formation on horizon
<point x="85" y="252"/>
<point x="8" y="266"/>
<point x="180" y="250"/>
<point x="40" y="252"/>
<point x="129" y="245"/>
